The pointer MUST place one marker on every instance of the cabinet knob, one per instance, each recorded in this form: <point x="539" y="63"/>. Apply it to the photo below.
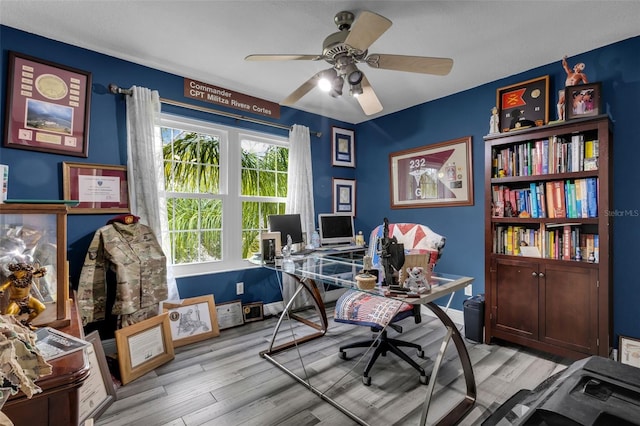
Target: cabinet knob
<point x="541" y="275"/>
<point x="534" y="274"/>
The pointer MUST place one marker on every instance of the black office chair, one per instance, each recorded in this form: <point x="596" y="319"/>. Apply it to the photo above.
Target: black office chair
<point x="365" y="309"/>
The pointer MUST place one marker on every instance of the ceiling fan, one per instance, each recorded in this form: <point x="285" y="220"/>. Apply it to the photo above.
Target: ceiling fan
<point x="348" y="47"/>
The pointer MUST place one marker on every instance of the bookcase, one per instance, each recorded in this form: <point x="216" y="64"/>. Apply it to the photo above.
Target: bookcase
<point x="548" y="222"/>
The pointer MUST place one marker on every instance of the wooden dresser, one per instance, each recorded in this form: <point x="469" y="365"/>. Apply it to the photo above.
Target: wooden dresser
<point x="58" y="403"/>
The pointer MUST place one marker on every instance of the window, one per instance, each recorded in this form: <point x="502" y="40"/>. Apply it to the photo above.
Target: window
<point x="221" y="184"/>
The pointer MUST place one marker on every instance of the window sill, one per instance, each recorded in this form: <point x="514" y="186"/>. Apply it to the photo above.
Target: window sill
<point x="206" y="268"/>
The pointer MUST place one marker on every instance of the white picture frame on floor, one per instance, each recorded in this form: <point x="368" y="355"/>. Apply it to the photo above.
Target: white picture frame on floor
<point x="629" y="351"/>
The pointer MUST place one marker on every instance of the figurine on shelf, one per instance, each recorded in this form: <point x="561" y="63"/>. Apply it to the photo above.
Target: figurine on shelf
<point x="19" y="285"/>
<point x="574" y="77"/>
<point x="494" y="121"/>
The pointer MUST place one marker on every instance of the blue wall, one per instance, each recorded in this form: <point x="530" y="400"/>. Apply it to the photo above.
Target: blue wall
<point x="37" y="175"/>
<point x="467" y="114"/>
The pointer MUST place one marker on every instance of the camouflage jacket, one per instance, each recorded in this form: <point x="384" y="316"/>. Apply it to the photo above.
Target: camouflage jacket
<point x="134" y="254"/>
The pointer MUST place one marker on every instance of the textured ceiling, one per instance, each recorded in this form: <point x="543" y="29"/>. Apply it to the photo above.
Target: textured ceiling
<point x="208" y="40"/>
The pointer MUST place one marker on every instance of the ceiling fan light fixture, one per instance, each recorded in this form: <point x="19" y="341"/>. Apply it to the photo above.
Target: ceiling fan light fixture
<point x="356" y="90"/>
<point x="336" y="88"/>
<point x="324" y="84"/>
<point x="326" y="79"/>
<point x="355" y="77"/>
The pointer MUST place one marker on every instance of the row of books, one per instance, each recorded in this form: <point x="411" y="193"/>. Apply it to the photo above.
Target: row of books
<point x="546" y="156"/>
<point x="576" y="198"/>
<point x="551" y="241"/>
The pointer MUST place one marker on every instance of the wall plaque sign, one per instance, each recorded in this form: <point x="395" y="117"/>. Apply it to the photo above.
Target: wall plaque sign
<point x="217" y="95"/>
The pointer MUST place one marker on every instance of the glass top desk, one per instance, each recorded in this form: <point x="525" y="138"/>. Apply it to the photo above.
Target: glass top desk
<point x="316" y="271"/>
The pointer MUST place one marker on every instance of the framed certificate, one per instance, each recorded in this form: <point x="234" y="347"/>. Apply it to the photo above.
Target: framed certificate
<point x="97" y="392"/>
<point x="98" y="188"/>
<point x="143" y="347"/>
<point x="435" y="175"/>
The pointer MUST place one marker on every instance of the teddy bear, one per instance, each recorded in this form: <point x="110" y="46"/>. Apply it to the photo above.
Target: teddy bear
<point x="417" y="280"/>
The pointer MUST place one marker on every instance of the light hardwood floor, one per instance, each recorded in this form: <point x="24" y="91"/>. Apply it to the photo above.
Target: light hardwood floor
<point x="223" y="381"/>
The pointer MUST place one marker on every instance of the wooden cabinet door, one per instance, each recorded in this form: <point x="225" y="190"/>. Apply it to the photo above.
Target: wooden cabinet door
<point x="569" y="307"/>
<point x="514" y="301"/>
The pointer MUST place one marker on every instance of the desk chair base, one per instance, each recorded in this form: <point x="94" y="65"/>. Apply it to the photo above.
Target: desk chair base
<point x="383" y="345"/>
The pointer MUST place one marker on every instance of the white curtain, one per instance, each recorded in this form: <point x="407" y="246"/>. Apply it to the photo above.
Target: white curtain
<point x="300" y="179"/>
<point x="299" y="196"/>
<point x="145" y="172"/>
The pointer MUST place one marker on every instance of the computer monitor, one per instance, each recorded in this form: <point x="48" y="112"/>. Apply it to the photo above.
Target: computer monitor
<point x="286" y="224"/>
<point x="335" y="229"/>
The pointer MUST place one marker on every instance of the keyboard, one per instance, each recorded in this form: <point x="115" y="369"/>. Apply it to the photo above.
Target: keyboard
<point x="303" y="252"/>
<point x="340" y="248"/>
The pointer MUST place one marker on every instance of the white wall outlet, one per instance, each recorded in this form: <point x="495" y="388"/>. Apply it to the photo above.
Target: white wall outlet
<point x="468" y="290"/>
<point x="239" y="288"/>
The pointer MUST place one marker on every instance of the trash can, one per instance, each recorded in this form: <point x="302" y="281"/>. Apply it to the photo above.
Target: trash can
<point x="474" y="318"/>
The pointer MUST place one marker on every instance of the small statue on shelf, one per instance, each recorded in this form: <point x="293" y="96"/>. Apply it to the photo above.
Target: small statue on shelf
<point x="575" y="77"/>
<point x="19" y="285"/>
<point x="494" y="121"/>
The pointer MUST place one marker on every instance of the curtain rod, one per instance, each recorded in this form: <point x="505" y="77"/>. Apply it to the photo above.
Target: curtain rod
<point x="114" y="89"/>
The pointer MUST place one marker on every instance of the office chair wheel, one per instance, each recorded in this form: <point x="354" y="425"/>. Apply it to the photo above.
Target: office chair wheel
<point x="366" y="380"/>
<point x="421" y="354"/>
<point x="424" y="380"/>
<point x="343" y="355"/>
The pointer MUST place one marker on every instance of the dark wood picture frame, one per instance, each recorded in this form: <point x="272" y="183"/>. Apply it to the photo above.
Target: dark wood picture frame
<point x="344" y="196"/>
<point x="583" y="100"/>
<point x="436" y="175"/>
<point x="343" y="147"/>
<point x="98" y="188"/>
<point x="47" y="107"/>
<point x="143" y="347"/>
<point x="185" y="328"/>
<point x="524" y="104"/>
<point x="253" y="312"/>
<point x="97" y="392"/>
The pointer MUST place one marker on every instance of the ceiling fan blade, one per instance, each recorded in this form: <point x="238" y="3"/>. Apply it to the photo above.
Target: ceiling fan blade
<point x="366" y="29"/>
<point x="419" y="64"/>
<point x="368" y="100"/>
<point x="282" y="58"/>
<point x="297" y="94"/>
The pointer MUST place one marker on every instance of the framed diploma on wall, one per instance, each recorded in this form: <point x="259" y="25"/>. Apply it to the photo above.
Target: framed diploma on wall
<point x="98" y="188"/>
<point x="436" y="175"/>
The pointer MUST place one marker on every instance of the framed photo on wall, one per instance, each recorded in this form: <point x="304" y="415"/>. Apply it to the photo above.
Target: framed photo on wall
<point x="99" y="188"/>
<point x="343" y="147"/>
<point x="524" y="104"/>
<point x="582" y="100"/>
<point x="344" y="196"/>
<point x="47" y="107"/>
<point x="435" y="175"/>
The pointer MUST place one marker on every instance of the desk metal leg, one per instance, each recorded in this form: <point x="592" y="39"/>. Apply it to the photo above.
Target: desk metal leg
<point x="310" y="287"/>
<point x="460" y="410"/>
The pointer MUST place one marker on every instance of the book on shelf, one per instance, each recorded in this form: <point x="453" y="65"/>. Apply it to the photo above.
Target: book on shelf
<point x="566" y="242"/>
<point x="54" y="343"/>
<point x="4" y="180"/>
<point x="592" y="197"/>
